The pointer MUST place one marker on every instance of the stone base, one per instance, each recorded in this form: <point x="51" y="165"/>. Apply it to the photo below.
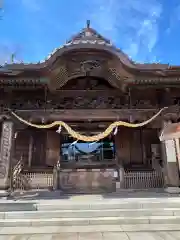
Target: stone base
<point x="4" y="193"/>
<point x="172" y="190"/>
<point x="118" y="186"/>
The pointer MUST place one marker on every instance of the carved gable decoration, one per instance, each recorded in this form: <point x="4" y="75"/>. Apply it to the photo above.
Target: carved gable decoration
<point x="88" y="34"/>
<point x="87" y="83"/>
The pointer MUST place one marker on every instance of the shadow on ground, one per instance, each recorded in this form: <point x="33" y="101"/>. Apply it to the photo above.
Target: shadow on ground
<point x="48" y="195"/>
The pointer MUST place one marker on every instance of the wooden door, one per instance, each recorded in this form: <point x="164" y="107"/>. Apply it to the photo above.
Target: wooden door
<point x="122" y="143"/>
<point x="38" y="150"/>
<point x="52" y="148"/>
<point x="136" y="147"/>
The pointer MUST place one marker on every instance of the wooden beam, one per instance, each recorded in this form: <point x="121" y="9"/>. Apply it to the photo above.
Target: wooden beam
<point x="70" y="93"/>
<point x="87" y="114"/>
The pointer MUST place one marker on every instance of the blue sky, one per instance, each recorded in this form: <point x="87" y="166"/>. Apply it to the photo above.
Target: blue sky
<point x="147" y="30"/>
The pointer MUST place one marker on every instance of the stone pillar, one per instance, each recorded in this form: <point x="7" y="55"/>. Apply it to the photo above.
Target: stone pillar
<point x="6" y="145"/>
<point x="171" y="169"/>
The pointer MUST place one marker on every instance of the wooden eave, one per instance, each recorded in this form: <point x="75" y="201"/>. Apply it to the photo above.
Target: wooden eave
<point x="21" y="72"/>
<point x="123" y="58"/>
<point x="146" y="73"/>
<point x="16" y="70"/>
<point x="136" y="80"/>
<point x="21" y="77"/>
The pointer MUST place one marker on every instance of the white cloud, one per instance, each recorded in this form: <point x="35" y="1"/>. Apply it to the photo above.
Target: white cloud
<point x="174" y="20"/>
<point x="32" y="5"/>
<point x="133" y="49"/>
<point x="131" y="24"/>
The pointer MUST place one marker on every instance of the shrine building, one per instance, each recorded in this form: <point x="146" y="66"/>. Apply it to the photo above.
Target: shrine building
<point x="88" y="119"/>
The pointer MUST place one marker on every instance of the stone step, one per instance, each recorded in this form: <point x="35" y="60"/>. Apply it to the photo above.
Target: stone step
<point x="90" y="213"/>
<point x="103" y="204"/>
<point x="114" y="215"/>
<point x="90" y="221"/>
<point x="88" y="229"/>
<point x="13" y="206"/>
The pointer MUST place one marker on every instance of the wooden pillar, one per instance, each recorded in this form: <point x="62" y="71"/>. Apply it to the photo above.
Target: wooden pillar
<point x="6" y="149"/>
<point x="53" y="156"/>
<point x="121" y="155"/>
<point x="30" y="151"/>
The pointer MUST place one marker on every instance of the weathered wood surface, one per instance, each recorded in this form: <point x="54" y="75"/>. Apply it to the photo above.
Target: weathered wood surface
<point x="52" y="148"/>
<point x="92" y="114"/>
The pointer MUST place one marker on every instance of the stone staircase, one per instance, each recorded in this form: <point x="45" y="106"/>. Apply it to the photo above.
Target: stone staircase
<point x="89" y="215"/>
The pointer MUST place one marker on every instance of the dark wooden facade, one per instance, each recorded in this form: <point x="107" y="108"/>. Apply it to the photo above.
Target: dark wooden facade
<point x="87" y="83"/>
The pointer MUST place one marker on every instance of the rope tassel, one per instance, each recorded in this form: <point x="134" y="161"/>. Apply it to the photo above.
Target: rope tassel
<point x="90" y="144"/>
<point x="115" y="131"/>
<point x="59" y="129"/>
<point x="73" y="143"/>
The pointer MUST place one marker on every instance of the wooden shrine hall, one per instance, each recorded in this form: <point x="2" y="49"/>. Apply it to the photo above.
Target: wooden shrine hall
<point x="88" y="119"/>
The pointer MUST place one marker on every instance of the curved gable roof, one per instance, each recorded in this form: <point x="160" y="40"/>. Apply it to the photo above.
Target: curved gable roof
<point x="89" y="39"/>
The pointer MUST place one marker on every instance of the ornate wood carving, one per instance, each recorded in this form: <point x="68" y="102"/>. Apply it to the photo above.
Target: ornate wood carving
<point x="91" y="95"/>
<point x="6" y="152"/>
<point x="81" y="101"/>
<point x="87" y="84"/>
<point x="85" y="95"/>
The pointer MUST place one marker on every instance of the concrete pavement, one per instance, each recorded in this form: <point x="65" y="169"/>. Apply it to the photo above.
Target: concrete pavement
<point x="172" y="235"/>
<point x="101" y="217"/>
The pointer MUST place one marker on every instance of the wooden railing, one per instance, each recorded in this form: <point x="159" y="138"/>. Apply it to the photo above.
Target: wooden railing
<point x="49" y="180"/>
<point x="34" y="180"/>
<point x="143" y="179"/>
<point x="17" y="169"/>
<point x="16" y="173"/>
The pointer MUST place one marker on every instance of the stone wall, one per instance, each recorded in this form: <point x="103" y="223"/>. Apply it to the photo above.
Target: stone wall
<point x="87" y="180"/>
